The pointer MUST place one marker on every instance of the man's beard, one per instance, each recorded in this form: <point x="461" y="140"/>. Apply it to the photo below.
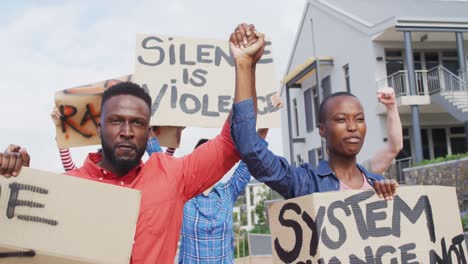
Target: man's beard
<point x="121" y="164"/>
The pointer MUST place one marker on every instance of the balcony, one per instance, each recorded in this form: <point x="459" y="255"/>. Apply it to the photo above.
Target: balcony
<point x="434" y="86"/>
<point x="428" y="82"/>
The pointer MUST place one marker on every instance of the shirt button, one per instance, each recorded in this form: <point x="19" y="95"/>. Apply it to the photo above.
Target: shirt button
<point x="121" y="183"/>
<point x="100" y="178"/>
<point x="104" y="172"/>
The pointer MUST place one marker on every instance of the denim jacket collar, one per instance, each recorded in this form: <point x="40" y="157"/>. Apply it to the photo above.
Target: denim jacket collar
<point x="324" y="170"/>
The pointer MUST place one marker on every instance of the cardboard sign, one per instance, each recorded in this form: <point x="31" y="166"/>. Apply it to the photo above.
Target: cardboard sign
<point x="80" y="109"/>
<point x="48" y="218"/>
<point x="421" y="225"/>
<point x="192" y="81"/>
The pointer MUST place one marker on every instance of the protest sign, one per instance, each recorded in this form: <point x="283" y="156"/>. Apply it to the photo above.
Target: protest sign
<point x="421" y="225"/>
<point x="191" y="81"/>
<point x="80" y="109"/>
<point x="48" y="218"/>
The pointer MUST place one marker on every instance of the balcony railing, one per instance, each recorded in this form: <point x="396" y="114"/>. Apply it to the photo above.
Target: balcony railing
<point x="437" y="79"/>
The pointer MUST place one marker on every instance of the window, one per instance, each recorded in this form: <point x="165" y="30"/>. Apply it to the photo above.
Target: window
<point x="393" y="61"/>
<point x="450" y="61"/>
<point x="439" y="142"/>
<point x="312" y="158"/>
<point x="458" y="140"/>
<point x="315" y="156"/>
<point x="406" y="151"/>
<point x="346" y="76"/>
<point x="326" y="86"/>
<point x="300" y="161"/>
<point x="319" y="154"/>
<point x="316" y="105"/>
<point x="308" y="109"/>
<point x="449" y="53"/>
<point x="296" y="118"/>
<point x="393" y="53"/>
<point x="457" y="130"/>
<point x="425" y="144"/>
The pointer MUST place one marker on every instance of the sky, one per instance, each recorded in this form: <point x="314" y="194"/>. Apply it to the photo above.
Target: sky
<point x="52" y="45"/>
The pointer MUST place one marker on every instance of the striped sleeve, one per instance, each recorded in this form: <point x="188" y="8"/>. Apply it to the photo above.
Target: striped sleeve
<point x="67" y="161"/>
<point x="170" y="151"/>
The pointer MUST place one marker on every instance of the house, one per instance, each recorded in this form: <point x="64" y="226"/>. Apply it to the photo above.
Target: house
<point x="417" y="47"/>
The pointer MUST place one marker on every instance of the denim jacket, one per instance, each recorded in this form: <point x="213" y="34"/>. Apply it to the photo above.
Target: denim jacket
<point x="275" y="171"/>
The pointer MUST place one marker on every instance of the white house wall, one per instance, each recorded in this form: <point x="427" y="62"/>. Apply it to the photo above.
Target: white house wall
<point x="346" y="45"/>
<point x="342" y="30"/>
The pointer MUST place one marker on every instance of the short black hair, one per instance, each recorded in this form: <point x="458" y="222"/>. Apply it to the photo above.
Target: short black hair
<point x="323" y="104"/>
<point x="201" y="142"/>
<point x="126" y="88"/>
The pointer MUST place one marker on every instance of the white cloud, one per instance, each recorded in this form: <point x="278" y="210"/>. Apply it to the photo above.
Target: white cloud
<point x="59" y="45"/>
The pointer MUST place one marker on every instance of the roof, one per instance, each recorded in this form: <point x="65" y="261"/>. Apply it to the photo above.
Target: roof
<point x="305" y="70"/>
<point x="373" y="12"/>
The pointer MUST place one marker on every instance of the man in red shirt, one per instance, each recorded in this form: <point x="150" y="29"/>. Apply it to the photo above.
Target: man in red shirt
<point x="166" y="183"/>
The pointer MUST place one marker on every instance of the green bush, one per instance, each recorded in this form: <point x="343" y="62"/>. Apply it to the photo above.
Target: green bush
<point x="464" y="220"/>
<point x="442" y="159"/>
<point x="260" y="229"/>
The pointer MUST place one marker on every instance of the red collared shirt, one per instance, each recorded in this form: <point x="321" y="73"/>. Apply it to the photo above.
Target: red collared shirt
<point x="166" y="183"/>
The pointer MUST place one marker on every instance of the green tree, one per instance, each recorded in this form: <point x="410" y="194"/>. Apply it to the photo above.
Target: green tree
<point x="261" y="227"/>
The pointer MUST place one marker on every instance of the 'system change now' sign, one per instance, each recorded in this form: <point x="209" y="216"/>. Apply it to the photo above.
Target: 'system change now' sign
<point x="421" y="225"/>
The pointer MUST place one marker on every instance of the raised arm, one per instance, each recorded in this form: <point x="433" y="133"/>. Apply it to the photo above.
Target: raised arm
<point x="247" y="46"/>
<point x="384" y="157"/>
<point x="208" y="163"/>
<point x="66" y="159"/>
<point x="275" y="171"/>
<point x="239" y="180"/>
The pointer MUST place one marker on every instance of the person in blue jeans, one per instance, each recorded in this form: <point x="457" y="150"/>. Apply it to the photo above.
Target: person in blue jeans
<point x="341" y="123"/>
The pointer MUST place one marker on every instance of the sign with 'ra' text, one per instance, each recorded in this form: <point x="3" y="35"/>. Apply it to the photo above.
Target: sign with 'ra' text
<point x="421" y="225"/>
<point x="47" y="218"/>
<point x="80" y="111"/>
<point x="191" y="81"/>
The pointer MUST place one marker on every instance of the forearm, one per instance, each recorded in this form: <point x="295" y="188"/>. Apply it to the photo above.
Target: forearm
<point x="239" y="180"/>
<point x="261" y="162"/>
<point x="395" y="133"/>
<point x="383" y="158"/>
<point x="245" y="88"/>
<point x="208" y="163"/>
<point x="254" y="87"/>
<point x="66" y="159"/>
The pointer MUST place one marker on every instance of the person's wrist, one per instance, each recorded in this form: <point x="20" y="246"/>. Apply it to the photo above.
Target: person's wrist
<point x="244" y="62"/>
<point x="391" y="106"/>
